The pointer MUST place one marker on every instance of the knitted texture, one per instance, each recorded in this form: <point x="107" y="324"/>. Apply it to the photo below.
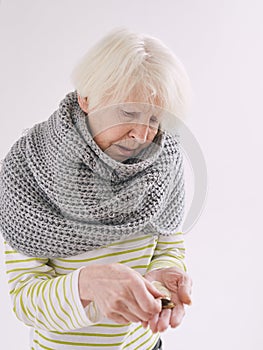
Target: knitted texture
<point x="61" y="195"/>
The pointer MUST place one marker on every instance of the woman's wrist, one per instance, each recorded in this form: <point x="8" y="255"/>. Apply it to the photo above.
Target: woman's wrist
<point x="84" y="291"/>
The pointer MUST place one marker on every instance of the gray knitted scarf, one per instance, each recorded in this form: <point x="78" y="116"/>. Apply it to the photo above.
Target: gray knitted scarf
<point x="61" y="195"/>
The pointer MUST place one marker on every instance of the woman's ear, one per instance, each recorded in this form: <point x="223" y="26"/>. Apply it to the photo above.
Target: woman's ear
<point x="83" y="103"/>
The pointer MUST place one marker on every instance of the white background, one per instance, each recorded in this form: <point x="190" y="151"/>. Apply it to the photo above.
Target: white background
<point x="220" y="43"/>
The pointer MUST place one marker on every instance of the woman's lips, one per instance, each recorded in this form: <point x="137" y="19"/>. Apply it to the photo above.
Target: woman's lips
<point x="126" y="151"/>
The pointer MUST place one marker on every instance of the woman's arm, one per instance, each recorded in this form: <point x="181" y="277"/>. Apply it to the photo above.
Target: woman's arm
<point x="56" y="303"/>
<point x="42" y="299"/>
<point x="168" y="267"/>
<point x="169" y="252"/>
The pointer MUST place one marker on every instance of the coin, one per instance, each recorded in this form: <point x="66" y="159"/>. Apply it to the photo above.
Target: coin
<point x="167" y="304"/>
<point x="166" y="299"/>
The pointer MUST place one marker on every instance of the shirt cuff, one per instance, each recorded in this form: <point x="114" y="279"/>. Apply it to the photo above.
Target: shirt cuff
<point x="90" y="314"/>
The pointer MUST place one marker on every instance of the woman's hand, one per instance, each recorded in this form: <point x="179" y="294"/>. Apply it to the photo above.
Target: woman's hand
<point x="120" y="293"/>
<point x="179" y="284"/>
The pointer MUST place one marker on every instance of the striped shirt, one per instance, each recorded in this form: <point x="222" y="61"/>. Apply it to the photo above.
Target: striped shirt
<point x="45" y="294"/>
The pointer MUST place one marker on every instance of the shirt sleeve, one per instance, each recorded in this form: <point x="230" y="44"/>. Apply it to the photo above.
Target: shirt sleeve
<point x="41" y="298"/>
<point x="169" y="252"/>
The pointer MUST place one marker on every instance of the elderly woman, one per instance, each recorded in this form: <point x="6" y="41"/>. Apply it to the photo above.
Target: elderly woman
<point x="92" y="201"/>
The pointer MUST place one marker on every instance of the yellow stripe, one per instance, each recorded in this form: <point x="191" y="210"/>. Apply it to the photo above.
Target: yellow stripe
<point x="60" y="318"/>
<point x="121" y="262"/>
<point x="93" y="334"/>
<point x="74" y="301"/>
<point x="113" y="325"/>
<point x="108" y="255"/>
<point x="136" y="339"/>
<point x="146" y="341"/>
<point x="174" y="242"/>
<point x="23" y="308"/>
<point x="133" y="259"/>
<point x="128" y="241"/>
<point x="62" y="267"/>
<point x="29" y="269"/>
<point x="44" y="300"/>
<point x="24" y="260"/>
<point x="67" y="301"/>
<point x="59" y="302"/>
<point x="76" y="344"/>
<point x="32" y="295"/>
<point x="11" y="252"/>
<point x="51" y="303"/>
<point x="27" y="312"/>
<point x="178" y="257"/>
<point x="42" y="346"/>
<point x="164" y="250"/>
<point x="25" y="280"/>
<point x="139" y="267"/>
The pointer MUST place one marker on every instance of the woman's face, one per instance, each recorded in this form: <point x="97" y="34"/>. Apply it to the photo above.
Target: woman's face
<point x="123" y="130"/>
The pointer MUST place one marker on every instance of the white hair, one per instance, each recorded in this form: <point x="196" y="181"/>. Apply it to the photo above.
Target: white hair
<point x="126" y="66"/>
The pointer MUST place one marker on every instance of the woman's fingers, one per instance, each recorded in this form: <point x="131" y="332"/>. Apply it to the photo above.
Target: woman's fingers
<point x="160" y="322"/>
<point x="164" y="320"/>
<point x="171" y="317"/>
<point x="153" y="322"/>
<point x="185" y="289"/>
<point x="177" y="313"/>
<point x="142" y="315"/>
<point x="136" y="302"/>
<point x="146" y="297"/>
<point x="178" y="281"/>
<point x="175" y="280"/>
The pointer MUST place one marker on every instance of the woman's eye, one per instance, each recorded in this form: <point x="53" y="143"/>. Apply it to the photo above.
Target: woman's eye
<point x="154" y="121"/>
<point x="128" y="114"/>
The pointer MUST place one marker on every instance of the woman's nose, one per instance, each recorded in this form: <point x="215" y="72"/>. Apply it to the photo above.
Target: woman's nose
<point x="139" y="132"/>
